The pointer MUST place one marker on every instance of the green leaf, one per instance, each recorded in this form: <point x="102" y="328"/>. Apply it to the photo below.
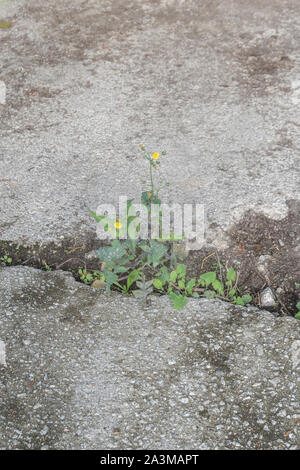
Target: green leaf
<point x="144" y="288"/>
<point x="190" y="285"/>
<point x="218" y="286"/>
<point x="247" y="298"/>
<point x="145" y="247"/>
<point x="231" y="274"/>
<point x="179" y="301"/>
<point x="232" y="292"/>
<point x="173" y="276"/>
<point x="107" y="224"/>
<point x="181" y="284"/>
<point x="145" y="199"/>
<point x="148" y="199"/>
<point x="110" y="279"/>
<point x="133" y="277"/>
<point x="120" y="269"/>
<point x="129" y="204"/>
<point x="297" y="316"/>
<point x="144" y="284"/>
<point x="172" y="238"/>
<point x="298" y="306"/>
<point x="111" y="253"/>
<point x="155" y="252"/>
<point x="209" y="294"/>
<point x="157" y="284"/>
<point x="207" y="278"/>
<point x="98" y="218"/>
<point x="164" y="275"/>
<point x="181" y="271"/>
<point x="239" y="301"/>
<point x="130" y="219"/>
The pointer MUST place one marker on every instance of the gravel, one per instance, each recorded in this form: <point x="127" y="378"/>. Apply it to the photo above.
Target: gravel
<point x="86" y="371"/>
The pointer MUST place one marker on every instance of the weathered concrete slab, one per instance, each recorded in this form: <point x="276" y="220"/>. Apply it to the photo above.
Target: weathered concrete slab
<point x="80" y="87"/>
<point x="83" y="370"/>
<point x="215" y="82"/>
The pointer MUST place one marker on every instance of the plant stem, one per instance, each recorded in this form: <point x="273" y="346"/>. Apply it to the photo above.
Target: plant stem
<point x="151" y="179"/>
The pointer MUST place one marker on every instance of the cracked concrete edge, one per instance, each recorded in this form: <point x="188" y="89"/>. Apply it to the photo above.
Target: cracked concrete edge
<point x="71" y="283"/>
<point x="89" y="371"/>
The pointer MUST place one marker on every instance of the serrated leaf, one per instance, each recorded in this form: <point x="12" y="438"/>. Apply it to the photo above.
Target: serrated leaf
<point x="209" y="294"/>
<point x="247" y="298"/>
<point x="157" y="284"/>
<point x="179" y="301"/>
<point x="111" y="253"/>
<point x="120" y="269"/>
<point x="110" y="279"/>
<point x="164" y="275"/>
<point x="173" y="276"/>
<point x="138" y="293"/>
<point x="145" y="247"/>
<point x="181" y="271"/>
<point x="218" y="286"/>
<point x="297" y="316"/>
<point x="145" y="199"/>
<point x="239" y="301"/>
<point x="190" y="285"/>
<point x="145" y="288"/>
<point x="207" y="278"/>
<point x="144" y="284"/>
<point x="155" y="252"/>
<point x="231" y="274"/>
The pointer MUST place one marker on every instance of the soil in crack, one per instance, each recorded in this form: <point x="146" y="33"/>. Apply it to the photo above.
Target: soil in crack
<point x="265" y="252"/>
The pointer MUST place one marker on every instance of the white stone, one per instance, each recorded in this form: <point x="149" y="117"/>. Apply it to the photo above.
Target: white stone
<point x="2" y="354"/>
<point x="267" y="298"/>
<point x="295" y="354"/>
<point x="2" y="92"/>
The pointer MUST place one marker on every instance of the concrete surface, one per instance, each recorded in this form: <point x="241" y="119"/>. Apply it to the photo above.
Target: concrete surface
<point x="82" y="85"/>
<point x="215" y="82"/>
<point x="84" y="370"/>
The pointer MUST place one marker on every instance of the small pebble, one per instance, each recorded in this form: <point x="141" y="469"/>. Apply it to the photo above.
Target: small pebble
<point x="267" y="298"/>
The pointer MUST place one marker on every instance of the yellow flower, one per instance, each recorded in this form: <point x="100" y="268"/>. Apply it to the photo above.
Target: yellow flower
<point x="118" y="225"/>
<point x="155" y="155"/>
<point x="155" y="166"/>
<point x="141" y="145"/>
<point x="149" y="193"/>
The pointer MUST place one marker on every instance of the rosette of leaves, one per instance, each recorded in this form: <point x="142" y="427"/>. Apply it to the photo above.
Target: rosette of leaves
<point x="155" y="252"/>
<point x="115" y="258"/>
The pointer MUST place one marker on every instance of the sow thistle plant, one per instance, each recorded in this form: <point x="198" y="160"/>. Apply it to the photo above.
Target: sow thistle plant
<point x="145" y="267"/>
